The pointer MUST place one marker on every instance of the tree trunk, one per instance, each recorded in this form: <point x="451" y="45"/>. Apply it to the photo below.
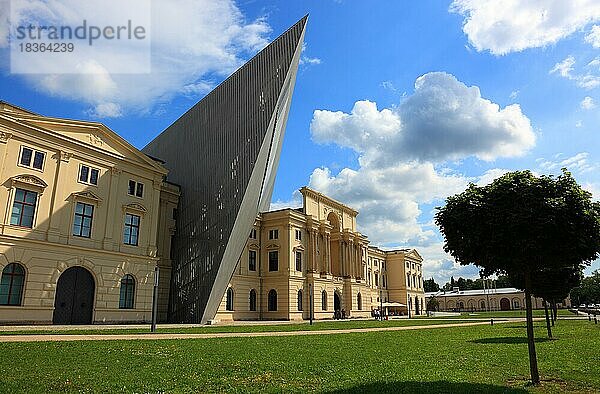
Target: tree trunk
<point x="533" y="367"/>
<point x="547" y="320"/>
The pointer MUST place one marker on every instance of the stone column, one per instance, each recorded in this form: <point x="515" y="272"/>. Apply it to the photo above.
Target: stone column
<point x="328" y="251"/>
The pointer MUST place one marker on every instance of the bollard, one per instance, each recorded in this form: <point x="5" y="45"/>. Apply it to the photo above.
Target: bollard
<point x="595" y="320"/>
<point x="589" y="317"/>
<point x="492" y="321"/>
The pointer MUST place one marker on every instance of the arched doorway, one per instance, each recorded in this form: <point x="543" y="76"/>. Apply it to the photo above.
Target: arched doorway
<point x="337" y="302"/>
<point x="504" y="304"/>
<point x="74" y="300"/>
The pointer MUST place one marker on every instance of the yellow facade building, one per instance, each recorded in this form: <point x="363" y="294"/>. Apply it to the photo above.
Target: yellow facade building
<point x="315" y="255"/>
<point x="79" y="227"/>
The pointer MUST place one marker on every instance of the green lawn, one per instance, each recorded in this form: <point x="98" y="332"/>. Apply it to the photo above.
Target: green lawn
<point x="303" y="326"/>
<point x="490" y="359"/>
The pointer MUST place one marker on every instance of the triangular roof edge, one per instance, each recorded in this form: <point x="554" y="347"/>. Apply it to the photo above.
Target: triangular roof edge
<point x="29" y="117"/>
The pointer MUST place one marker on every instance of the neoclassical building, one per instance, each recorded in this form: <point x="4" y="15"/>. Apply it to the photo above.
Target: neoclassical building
<point x="314" y="255"/>
<point x="79" y="228"/>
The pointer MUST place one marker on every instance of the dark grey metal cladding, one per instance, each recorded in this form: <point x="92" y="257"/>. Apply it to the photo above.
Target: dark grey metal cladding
<point x="211" y="151"/>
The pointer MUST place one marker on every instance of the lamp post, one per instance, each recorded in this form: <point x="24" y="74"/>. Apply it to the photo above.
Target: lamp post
<point x="155" y="300"/>
<point x="310" y="303"/>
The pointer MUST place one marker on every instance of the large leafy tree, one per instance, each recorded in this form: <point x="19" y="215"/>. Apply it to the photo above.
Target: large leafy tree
<point x="519" y="225"/>
<point x="429" y="285"/>
<point x="589" y="290"/>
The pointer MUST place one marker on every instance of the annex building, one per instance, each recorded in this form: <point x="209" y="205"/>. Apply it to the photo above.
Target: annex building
<point x="492" y="299"/>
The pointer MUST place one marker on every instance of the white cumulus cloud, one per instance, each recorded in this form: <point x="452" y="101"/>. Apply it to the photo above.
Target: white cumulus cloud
<point x="588" y="103"/>
<point x="192" y="40"/>
<point x="443" y="119"/>
<point x="593" y="37"/>
<point x="508" y="26"/>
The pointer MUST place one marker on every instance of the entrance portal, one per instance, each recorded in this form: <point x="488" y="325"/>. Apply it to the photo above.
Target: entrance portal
<point x="504" y="304"/>
<point x="337" y="303"/>
<point x="74" y="300"/>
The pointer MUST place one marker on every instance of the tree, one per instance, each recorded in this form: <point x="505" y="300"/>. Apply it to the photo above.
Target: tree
<point x="589" y="290"/>
<point x="429" y="285"/>
<point x="432" y="304"/>
<point x="553" y="286"/>
<point x="519" y="225"/>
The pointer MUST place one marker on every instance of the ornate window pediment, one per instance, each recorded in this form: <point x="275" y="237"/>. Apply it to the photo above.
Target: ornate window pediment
<point x="28" y="180"/>
<point x="86" y="195"/>
<point x="253" y="246"/>
<point x="135" y="207"/>
<point x="272" y="246"/>
<point x="299" y="248"/>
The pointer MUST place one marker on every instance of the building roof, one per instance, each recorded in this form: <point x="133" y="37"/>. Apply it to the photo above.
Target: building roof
<point x="472" y="293"/>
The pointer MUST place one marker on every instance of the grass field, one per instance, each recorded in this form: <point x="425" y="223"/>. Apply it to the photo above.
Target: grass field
<point x="304" y="326"/>
<point x="489" y="359"/>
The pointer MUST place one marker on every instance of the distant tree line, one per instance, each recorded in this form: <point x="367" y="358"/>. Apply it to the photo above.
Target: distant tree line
<point x="588" y="292"/>
<point x="502" y="281"/>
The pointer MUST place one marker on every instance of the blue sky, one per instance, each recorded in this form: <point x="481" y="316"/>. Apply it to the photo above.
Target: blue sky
<point x="397" y="104"/>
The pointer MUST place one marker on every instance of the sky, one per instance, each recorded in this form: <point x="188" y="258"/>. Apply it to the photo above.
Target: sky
<point x="397" y="104"/>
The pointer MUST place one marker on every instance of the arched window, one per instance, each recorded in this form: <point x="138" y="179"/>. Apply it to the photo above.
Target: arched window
<point x="127" y="292"/>
<point x="482" y="305"/>
<point x="11" y="284"/>
<point x="253" y="300"/>
<point x="324" y="300"/>
<point x="516" y="304"/>
<point x="359" y="301"/>
<point x="272" y="300"/>
<point x="299" y="300"/>
<point x="229" y="303"/>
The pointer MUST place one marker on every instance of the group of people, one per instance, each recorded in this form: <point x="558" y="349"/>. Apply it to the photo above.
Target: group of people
<point x="339" y="314"/>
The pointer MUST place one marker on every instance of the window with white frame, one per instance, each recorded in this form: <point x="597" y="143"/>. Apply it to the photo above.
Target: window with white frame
<point x="23" y="210"/>
<point x="88" y="175"/>
<point x="274" y="234"/>
<point x="82" y="222"/>
<point x="32" y="158"/>
<point x="298" y="235"/>
<point x="135" y="189"/>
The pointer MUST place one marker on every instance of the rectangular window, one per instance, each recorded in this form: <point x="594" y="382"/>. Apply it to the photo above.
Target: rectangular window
<point x="132" y="229"/>
<point x="88" y="175"/>
<point x="131" y="188"/>
<point x="23" y="209"/>
<point x="298" y="261"/>
<point x="82" y="223"/>
<point x="376" y="280"/>
<point x="274" y="260"/>
<point x="32" y="158"/>
<point x="251" y="260"/>
<point x="298" y="235"/>
<point x="273" y="234"/>
<point x="139" y="191"/>
<point x="253" y="233"/>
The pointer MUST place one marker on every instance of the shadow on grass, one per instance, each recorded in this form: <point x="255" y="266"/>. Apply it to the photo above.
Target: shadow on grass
<point x="507" y="340"/>
<point x="428" y="387"/>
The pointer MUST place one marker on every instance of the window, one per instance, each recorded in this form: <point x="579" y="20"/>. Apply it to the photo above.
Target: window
<point x="88" y="175"/>
<point x="11" y="284"/>
<point x="273" y="234"/>
<point x="359" y="301"/>
<point x="272" y="300"/>
<point x="82" y="224"/>
<point x="298" y="235"/>
<point x="127" y="292"/>
<point x="135" y="189"/>
<point x="274" y="260"/>
<point x="253" y="233"/>
<point x="299" y="300"/>
<point x="32" y="158"/>
<point x="383" y="280"/>
<point x="23" y="208"/>
<point x="253" y="300"/>
<point x="324" y="300"/>
<point x="376" y="280"/>
<point x="132" y="229"/>
<point x="229" y="303"/>
<point x="516" y="304"/>
<point x="252" y="260"/>
<point x="407" y="280"/>
<point x="298" y="261"/>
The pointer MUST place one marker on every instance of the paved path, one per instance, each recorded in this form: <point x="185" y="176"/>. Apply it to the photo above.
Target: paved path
<point x="126" y="337"/>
